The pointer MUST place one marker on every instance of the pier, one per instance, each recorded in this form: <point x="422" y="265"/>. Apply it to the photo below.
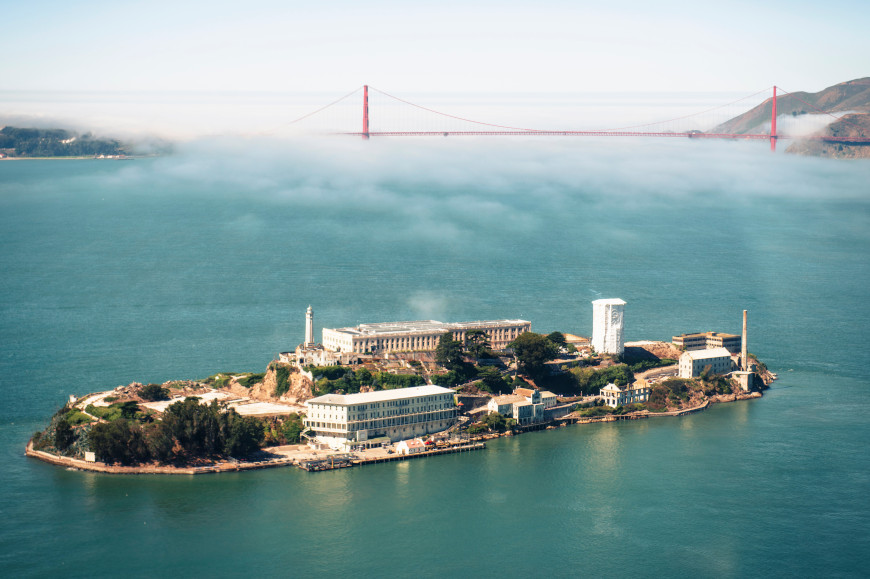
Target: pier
<point x="335" y="461"/>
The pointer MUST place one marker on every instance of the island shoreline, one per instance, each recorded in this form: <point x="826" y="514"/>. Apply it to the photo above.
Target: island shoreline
<point x="245" y="465"/>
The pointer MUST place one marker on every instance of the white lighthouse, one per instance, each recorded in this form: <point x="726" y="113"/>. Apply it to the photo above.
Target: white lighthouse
<point x="607" y="326"/>
<point x="309" y="327"/>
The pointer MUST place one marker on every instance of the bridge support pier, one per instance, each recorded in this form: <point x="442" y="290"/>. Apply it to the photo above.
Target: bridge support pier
<point x="365" y="131"/>
<point x="773" y="123"/>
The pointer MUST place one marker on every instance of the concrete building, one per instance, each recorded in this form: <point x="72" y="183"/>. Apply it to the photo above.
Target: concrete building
<point x="345" y="421"/>
<point x="419" y="336"/>
<point x="620" y="396"/>
<point x="608" y="316"/>
<point x="693" y="362"/>
<point x="525" y="405"/>
<point x="707" y="341"/>
<point x="504" y="405"/>
<point x="545" y="397"/>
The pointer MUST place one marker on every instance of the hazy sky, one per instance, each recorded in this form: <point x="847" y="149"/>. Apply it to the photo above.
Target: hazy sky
<point x="450" y="46"/>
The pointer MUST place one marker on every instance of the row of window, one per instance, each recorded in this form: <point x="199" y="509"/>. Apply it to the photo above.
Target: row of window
<point x="382" y="423"/>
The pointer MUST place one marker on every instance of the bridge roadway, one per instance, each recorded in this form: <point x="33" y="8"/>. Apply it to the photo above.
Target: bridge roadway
<point x="855" y="141"/>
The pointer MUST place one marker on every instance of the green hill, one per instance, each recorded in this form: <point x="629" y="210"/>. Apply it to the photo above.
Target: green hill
<point x="18" y="142"/>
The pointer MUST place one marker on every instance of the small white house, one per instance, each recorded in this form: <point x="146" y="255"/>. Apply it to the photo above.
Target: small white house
<point x="413" y="446"/>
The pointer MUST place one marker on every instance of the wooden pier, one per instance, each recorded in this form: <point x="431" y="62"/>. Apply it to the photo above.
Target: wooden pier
<point x="335" y="461"/>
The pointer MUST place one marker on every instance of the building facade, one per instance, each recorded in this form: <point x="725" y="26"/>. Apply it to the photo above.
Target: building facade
<point x="693" y="362"/>
<point x="342" y="421"/>
<point x="419" y="336"/>
<point x="614" y="395"/>
<point x="608" y="318"/>
<point x="525" y="405"/>
<point x="707" y="341"/>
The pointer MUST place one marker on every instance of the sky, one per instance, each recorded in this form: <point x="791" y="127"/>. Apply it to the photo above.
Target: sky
<point x="106" y="52"/>
<point x="450" y="46"/>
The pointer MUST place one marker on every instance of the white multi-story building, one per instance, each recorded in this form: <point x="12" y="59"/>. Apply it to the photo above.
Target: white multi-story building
<point x="607" y="326"/>
<point x="692" y="363"/>
<point x="615" y="396"/>
<point x="420" y="336"/>
<point x="525" y="405"/>
<point x="343" y="421"/>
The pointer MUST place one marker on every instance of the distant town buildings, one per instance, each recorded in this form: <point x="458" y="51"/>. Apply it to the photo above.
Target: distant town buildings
<point x="419" y="336"/>
<point x="693" y="362"/>
<point x="614" y="395"/>
<point x="348" y="421"/>
<point x="708" y="340"/>
<point x="608" y="326"/>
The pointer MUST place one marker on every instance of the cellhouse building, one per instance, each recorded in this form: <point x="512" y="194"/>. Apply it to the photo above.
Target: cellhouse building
<point x="419" y="336"/>
<point x="607" y="326"/>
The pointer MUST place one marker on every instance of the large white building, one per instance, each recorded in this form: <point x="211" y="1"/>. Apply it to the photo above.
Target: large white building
<point x="614" y="395"/>
<point x="346" y="421"/>
<point x="692" y="363"/>
<point x="607" y="326"/>
<point x="420" y="336"/>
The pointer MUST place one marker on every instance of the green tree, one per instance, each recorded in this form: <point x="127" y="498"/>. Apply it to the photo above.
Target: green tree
<point x="495" y="421"/>
<point x="558" y="339"/>
<point x="154" y="392"/>
<point x="244" y="436"/>
<point x="448" y="352"/>
<point x="492" y="380"/>
<point x="533" y="350"/>
<point x="128" y="409"/>
<point x="63" y="435"/>
<point x="120" y="440"/>
<point x="477" y="343"/>
<point x="292" y="429"/>
<point x="364" y="376"/>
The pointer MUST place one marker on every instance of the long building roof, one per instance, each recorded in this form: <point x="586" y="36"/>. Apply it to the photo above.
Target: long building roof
<point x="380" y="395"/>
<point x="709" y="353"/>
<point x="423" y="326"/>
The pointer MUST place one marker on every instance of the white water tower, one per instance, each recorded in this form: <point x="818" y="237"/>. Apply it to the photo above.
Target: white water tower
<point x="608" y="317"/>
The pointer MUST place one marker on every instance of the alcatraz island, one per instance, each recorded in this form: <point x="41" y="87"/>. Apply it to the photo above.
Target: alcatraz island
<point x="400" y="390"/>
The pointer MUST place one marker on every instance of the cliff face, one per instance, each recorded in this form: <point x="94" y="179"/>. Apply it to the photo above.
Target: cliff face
<point x="299" y="387"/>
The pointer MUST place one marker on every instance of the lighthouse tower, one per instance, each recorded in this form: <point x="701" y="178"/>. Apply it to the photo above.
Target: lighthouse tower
<point x="309" y="327"/>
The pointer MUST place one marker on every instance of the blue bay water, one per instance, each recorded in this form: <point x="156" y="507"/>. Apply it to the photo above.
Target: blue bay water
<point x="205" y="261"/>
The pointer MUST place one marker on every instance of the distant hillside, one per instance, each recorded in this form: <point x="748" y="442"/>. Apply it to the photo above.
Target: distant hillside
<point x="846" y="96"/>
<point x="17" y="142"/>
<point x="852" y="96"/>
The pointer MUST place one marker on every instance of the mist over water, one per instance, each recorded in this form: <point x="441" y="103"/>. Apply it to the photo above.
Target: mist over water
<point x="204" y="261"/>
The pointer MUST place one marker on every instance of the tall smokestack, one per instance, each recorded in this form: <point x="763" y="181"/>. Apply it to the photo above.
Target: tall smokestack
<point x="743" y="361"/>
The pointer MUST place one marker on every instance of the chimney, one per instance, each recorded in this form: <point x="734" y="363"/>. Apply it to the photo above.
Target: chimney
<point x="743" y="360"/>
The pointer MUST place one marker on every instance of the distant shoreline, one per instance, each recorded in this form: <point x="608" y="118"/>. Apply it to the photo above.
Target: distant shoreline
<point x="76" y="158"/>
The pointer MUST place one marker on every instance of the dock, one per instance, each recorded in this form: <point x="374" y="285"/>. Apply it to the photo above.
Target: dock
<point x="335" y="461"/>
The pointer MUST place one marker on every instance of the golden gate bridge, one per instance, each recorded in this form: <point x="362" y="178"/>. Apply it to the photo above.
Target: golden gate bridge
<point x="481" y="128"/>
